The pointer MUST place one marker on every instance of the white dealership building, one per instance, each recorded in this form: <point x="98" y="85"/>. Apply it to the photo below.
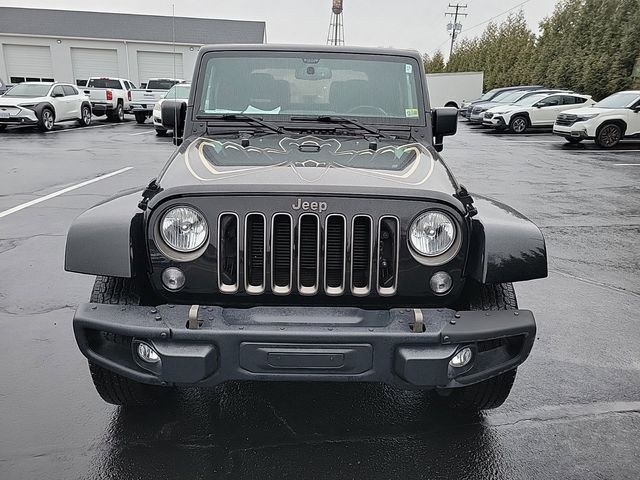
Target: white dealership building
<point x="71" y="46"/>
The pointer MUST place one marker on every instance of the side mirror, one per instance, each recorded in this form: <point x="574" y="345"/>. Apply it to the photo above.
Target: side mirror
<point x="636" y="109"/>
<point x="57" y="95"/>
<point x="444" y="123"/>
<point x="174" y="114"/>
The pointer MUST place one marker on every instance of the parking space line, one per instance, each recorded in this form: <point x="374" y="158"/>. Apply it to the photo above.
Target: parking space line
<point x="60" y="192"/>
<point x="141" y="133"/>
<point x="80" y="129"/>
<point x="627" y="164"/>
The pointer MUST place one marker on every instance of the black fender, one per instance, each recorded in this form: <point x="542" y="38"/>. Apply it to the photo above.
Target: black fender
<point x="108" y="239"/>
<point x="86" y="104"/>
<point x="505" y="246"/>
<point x="40" y="106"/>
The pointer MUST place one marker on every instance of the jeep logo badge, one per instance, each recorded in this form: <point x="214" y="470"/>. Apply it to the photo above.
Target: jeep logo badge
<point x="313" y="206"/>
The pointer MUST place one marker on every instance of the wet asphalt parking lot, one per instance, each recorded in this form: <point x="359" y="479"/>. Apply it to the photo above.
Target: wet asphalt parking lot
<point x="574" y="412"/>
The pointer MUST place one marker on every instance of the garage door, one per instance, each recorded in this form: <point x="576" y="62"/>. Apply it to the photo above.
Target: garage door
<point x="158" y="65"/>
<point x="94" y="62"/>
<point x="28" y="63"/>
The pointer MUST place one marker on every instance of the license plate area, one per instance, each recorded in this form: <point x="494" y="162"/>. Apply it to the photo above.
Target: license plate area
<point x="312" y="359"/>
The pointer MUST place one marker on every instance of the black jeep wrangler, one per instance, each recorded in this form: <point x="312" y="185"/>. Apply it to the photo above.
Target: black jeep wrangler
<point x="306" y="229"/>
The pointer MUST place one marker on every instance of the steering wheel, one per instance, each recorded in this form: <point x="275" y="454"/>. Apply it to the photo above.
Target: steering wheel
<point x="369" y="108"/>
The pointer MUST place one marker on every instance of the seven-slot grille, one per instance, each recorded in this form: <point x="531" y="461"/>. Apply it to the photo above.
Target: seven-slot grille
<point x="308" y="255"/>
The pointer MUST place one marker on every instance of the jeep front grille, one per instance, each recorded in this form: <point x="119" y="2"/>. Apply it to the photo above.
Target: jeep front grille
<point x="304" y="254"/>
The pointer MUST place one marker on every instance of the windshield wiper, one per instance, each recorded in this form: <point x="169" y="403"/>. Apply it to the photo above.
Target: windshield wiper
<point x="338" y="119"/>
<point x="248" y="118"/>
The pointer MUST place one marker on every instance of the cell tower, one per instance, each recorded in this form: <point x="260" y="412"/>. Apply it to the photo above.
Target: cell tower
<point x="336" y="25"/>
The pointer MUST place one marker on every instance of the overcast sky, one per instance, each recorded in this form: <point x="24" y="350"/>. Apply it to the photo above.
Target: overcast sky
<point x="417" y="24"/>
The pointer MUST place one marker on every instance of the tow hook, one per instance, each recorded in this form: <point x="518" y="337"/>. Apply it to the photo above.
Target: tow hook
<point x="193" y="323"/>
<point x="418" y="325"/>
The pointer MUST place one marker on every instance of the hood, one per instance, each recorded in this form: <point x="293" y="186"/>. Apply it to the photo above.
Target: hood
<point x="504" y="108"/>
<point x="591" y="110"/>
<point x="285" y="164"/>
<point x="18" y="100"/>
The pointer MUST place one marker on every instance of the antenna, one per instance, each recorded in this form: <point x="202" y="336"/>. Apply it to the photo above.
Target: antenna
<point x="175" y="91"/>
<point x="336" y="25"/>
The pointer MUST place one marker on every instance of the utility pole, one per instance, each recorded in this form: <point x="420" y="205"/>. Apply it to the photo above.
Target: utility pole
<point x="455" y="28"/>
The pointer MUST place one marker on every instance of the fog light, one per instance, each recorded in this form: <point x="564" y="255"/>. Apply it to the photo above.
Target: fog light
<point x="148" y="354"/>
<point x="462" y="358"/>
<point x="440" y="282"/>
<point x="173" y="278"/>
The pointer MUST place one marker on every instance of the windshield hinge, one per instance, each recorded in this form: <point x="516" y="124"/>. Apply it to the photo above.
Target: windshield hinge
<point x="152" y="189"/>
<point x="466" y="200"/>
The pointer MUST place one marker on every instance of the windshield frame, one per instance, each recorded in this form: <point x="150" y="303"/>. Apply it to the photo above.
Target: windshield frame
<point x="421" y="98"/>
<point x="46" y="94"/>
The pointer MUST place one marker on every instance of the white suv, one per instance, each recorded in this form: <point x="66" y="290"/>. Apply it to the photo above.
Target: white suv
<point x="539" y="110"/>
<point x="607" y="122"/>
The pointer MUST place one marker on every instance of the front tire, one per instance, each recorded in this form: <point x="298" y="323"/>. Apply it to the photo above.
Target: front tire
<point x="609" y="135"/>
<point x="114" y="388"/>
<point x="493" y="392"/>
<point x="85" y="116"/>
<point x="47" y="120"/>
<point x="141" y="117"/>
<point x="518" y="124"/>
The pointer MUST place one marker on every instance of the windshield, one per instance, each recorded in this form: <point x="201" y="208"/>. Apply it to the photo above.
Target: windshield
<point x="179" y="92"/>
<point x="28" y="90"/>
<point x="161" y="84"/>
<point x="488" y="95"/>
<point x="618" y="100"/>
<point x="531" y="99"/>
<point x="512" y="97"/>
<point x="104" y="83"/>
<point x="382" y="88"/>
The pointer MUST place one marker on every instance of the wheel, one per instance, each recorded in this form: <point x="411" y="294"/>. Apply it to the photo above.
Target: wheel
<point x="117" y="115"/>
<point x="46" y="120"/>
<point x="141" y="117"/>
<point x="85" y="116"/>
<point x="493" y="392"/>
<point x="161" y="132"/>
<point x="573" y="140"/>
<point x="609" y="135"/>
<point x="518" y="124"/>
<point x="114" y="388"/>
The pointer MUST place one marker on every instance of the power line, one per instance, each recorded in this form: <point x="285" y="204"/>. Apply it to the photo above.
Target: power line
<point x="486" y="21"/>
<point x="456" y="27"/>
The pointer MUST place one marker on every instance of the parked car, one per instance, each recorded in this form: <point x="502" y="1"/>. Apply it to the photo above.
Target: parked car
<point x="491" y="95"/>
<point x="179" y="92"/>
<point x="44" y="104"/>
<point x="452" y="89"/>
<point x="505" y="98"/>
<point x="3" y="87"/>
<point x="607" y="122"/>
<point x="306" y="230"/>
<point x="539" y="110"/>
<point x="143" y="100"/>
<point x="110" y="97"/>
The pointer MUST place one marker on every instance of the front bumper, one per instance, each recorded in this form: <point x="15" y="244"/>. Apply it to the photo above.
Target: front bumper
<point x="577" y="130"/>
<point x="304" y="344"/>
<point x="20" y="116"/>
<point x="496" y="121"/>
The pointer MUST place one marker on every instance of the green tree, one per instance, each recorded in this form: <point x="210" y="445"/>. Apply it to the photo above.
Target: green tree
<point x="434" y="64"/>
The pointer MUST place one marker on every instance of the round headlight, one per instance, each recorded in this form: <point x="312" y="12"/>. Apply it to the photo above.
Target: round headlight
<point x="432" y="233"/>
<point x="184" y="229"/>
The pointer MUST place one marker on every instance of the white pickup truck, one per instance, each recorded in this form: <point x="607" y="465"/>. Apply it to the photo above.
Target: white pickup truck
<point x="144" y="99"/>
<point x="110" y="96"/>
